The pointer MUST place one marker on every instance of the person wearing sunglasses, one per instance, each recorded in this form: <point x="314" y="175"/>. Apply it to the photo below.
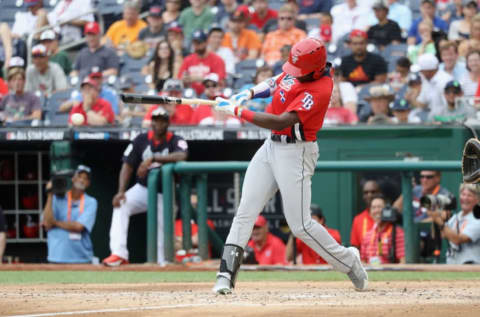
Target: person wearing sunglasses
<point x="69" y="219"/>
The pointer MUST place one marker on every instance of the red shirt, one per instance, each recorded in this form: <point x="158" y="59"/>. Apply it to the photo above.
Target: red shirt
<point x="201" y="112"/>
<point x="362" y="223"/>
<point x="311" y="257"/>
<point x="260" y="22"/>
<point x="3" y="88"/>
<point x="309" y="100"/>
<point x="101" y="107"/>
<point x="378" y="243"/>
<point x="193" y="227"/>
<point x="181" y="116"/>
<point x="196" y="66"/>
<point x="273" y="252"/>
<point x="340" y="115"/>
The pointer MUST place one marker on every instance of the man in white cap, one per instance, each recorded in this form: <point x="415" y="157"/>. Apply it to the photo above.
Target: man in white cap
<point x="434" y="80"/>
<point x="50" y="39"/>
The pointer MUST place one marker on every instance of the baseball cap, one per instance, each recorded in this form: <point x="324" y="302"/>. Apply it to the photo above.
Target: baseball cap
<point x="16" y="61"/>
<point x="260" y="222"/>
<point x="401" y="104"/>
<point x="91" y="28"/>
<point x="125" y="82"/>
<point x="241" y="14"/>
<point x="173" y="85"/>
<point x="175" y="27"/>
<point x="199" y="36"/>
<point x="211" y="77"/>
<point x="427" y="62"/>
<point x="160" y="113"/>
<point x="453" y="85"/>
<point x="31" y="3"/>
<point x="89" y="81"/>
<point x="359" y="33"/>
<point x="83" y="169"/>
<point x="155" y="11"/>
<point x="380" y="4"/>
<point x="48" y="35"/>
<point x="39" y="50"/>
<point x="95" y="72"/>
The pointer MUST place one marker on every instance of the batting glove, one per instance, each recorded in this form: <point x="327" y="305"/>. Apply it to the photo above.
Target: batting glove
<point x="228" y="107"/>
<point x="241" y="98"/>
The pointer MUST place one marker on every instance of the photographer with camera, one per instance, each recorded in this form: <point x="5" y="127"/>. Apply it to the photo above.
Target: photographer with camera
<point x="385" y="242"/>
<point x="68" y="217"/>
<point x="462" y="230"/>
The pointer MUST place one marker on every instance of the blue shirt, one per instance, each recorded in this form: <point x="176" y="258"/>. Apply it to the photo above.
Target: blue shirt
<point x="63" y="249"/>
<point x="109" y="95"/>
<point x="437" y="23"/>
<point x="459" y="70"/>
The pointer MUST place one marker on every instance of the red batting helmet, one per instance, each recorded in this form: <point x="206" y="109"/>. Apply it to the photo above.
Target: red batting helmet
<point x="306" y="56"/>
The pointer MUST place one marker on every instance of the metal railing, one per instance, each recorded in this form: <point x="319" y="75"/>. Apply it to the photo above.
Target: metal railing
<point x="201" y="169"/>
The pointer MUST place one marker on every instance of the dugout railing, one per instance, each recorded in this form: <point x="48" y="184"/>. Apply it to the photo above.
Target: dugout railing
<point x="200" y="170"/>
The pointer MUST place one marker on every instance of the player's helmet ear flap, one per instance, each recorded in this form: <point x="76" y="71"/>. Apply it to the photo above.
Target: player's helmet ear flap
<point x="308" y="55"/>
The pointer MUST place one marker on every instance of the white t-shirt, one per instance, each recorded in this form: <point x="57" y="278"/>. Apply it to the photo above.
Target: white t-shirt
<point x="24" y="23"/>
<point x="230" y="122"/>
<point x="432" y="91"/>
<point x="228" y="57"/>
<point x="346" y="19"/>
<point x="469" y="86"/>
<point x="66" y="10"/>
<point x="347" y="92"/>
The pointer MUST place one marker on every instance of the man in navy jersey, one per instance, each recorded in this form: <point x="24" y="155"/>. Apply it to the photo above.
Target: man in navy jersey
<point x="147" y="151"/>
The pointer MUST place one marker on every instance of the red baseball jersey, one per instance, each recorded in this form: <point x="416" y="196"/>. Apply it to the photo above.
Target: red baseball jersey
<point x="309" y="100"/>
<point x="101" y="107"/>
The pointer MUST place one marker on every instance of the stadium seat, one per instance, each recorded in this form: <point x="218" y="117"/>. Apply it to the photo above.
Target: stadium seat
<point x="59" y="118"/>
<point x="7" y="15"/>
<point x="312" y="23"/>
<point x="392" y="53"/>
<point x="132" y="65"/>
<point x="275" y="4"/>
<point x="245" y="71"/>
<point x="12" y="4"/>
<point x="108" y="6"/>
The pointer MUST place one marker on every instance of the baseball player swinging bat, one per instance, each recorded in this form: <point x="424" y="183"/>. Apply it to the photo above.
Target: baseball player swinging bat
<point x="147" y="99"/>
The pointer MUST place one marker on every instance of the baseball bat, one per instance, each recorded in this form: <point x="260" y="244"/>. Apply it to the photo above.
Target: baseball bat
<point x="149" y="99"/>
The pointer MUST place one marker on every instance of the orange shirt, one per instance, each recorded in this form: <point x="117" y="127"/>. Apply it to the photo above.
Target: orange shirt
<point x="119" y="33"/>
<point x="362" y="223"/>
<point x="275" y="40"/>
<point x="311" y="257"/>
<point x="248" y="40"/>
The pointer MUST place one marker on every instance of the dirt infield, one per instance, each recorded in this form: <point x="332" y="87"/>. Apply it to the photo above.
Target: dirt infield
<point x="452" y="298"/>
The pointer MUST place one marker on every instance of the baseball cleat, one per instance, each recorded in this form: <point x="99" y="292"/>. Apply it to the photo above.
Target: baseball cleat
<point x="114" y="260"/>
<point x="222" y="285"/>
<point x="357" y="274"/>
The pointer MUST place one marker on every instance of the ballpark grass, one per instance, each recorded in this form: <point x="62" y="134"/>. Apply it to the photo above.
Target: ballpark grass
<point x="75" y="277"/>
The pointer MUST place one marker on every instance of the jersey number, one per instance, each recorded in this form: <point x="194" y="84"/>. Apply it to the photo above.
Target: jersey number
<point x="307" y="101"/>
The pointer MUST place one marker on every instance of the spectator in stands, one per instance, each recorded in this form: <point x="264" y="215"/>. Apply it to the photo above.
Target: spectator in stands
<point x="124" y="32"/>
<point x="379" y="97"/>
<point x="96" y="111"/>
<point x="50" y="40"/>
<point x="175" y="39"/>
<point x="268" y="249"/>
<point x="225" y="10"/>
<point x="63" y="13"/>
<point x="455" y="110"/>
<point x="452" y="12"/>
<point x="400" y="13"/>
<point x="473" y="43"/>
<point x="44" y="76"/>
<point x="198" y="16"/>
<point x="460" y="29"/>
<point x="412" y="91"/>
<point x="427" y="9"/>
<point x="287" y="34"/>
<point x="363" y="221"/>
<point x="284" y="53"/>
<point x="178" y="229"/>
<point x="147" y="151"/>
<point x="130" y="111"/>
<point x="172" y="11"/>
<point x="3" y="234"/>
<point x="450" y="60"/>
<point x="433" y="84"/>
<point x="69" y="220"/>
<point x="337" y="112"/>
<point x="401" y="112"/>
<point x="19" y="105"/>
<point x="429" y="185"/>
<point x="179" y="114"/>
<point x="305" y="255"/>
<point x="272" y="24"/>
<point x="214" y="41"/>
<point x="262" y="74"/>
<point x="426" y="45"/>
<point x="386" y="31"/>
<point x="27" y="22"/>
<point x="197" y="65"/>
<point x="244" y="43"/>
<point x="165" y="64"/>
<point x="470" y="79"/>
<point x="362" y="67"/>
<point x="378" y="242"/>
<point x="324" y="32"/>
<point x="95" y="55"/>
<point x="261" y="14"/>
<point x="348" y="16"/>
<point x="348" y="94"/>
<point x="399" y="77"/>
<point x="155" y="31"/>
<point x="6" y="43"/>
<point x="313" y="9"/>
<point x="462" y="230"/>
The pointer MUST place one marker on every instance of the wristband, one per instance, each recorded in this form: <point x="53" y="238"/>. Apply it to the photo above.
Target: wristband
<point x="247" y="115"/>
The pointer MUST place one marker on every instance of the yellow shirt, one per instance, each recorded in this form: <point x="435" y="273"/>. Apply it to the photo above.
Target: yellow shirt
<point x="121" y="34"/>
